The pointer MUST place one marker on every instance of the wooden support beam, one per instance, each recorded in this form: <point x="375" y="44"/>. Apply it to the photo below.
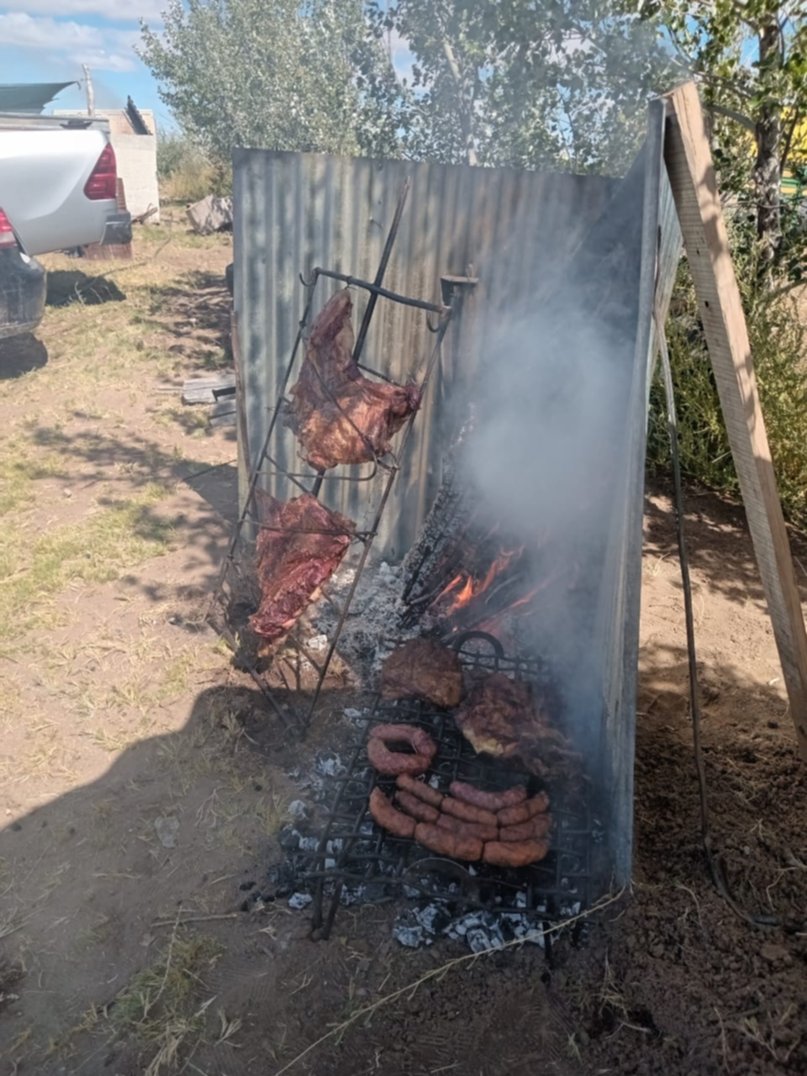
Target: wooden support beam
<point x="692" y="176"/>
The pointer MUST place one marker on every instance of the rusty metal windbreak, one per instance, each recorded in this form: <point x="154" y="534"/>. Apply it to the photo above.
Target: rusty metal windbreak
<point x="356" y="860"/>
<point x="268" y="465"/>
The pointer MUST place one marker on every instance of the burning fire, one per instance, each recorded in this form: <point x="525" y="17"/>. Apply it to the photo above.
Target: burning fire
<point x="463" y="588"/>
<point x="492" y="599"/>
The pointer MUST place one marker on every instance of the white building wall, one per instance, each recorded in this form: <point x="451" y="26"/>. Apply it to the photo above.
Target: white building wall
<point x="137" y="167"/>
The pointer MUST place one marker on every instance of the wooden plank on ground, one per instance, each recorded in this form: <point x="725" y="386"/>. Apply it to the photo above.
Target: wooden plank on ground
<point x="203" y="390"/>
<point x="692" y="176"/>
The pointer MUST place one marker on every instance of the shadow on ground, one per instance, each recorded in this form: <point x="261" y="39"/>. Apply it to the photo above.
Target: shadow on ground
<point x="666" y="982"/>
<point x="69" y="286"/>
<point x="20" y="355"/>
<point x="717" y="543"/>
<point x="138" y="460"/>
<point x="194" y="311"/>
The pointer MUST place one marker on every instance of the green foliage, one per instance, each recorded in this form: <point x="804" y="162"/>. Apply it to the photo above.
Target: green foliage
<point x="750" y="60"/>
<point x="778" y="348"/>
<point x="185" y="173"/>
<point x="561" y="84"/>
<point x="175" y="151"/>
<point x="278" y="75"/>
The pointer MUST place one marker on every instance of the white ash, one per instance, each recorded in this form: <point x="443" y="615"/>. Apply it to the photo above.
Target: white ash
<point x="370" y="631"/>
<point x="480" y="930"/>
<point x="297" y="810"/>
<point x="330" y="765"/>
<point x="422" y="923"/>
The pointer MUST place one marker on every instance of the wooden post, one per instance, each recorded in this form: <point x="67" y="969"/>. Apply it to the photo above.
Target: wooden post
<point x="88" y="90"/>
<point x="692" y="176"/>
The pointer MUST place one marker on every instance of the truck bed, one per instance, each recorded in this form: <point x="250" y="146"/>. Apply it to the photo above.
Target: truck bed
<point x="45" y="162"/>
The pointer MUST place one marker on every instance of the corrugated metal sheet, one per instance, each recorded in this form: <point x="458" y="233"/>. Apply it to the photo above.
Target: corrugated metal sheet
<point x="514" y="230"/>
<point x="655" y="263"/>
<point x="535" y="241"/>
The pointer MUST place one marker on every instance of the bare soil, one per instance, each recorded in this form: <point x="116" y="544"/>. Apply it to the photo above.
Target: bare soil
<point x="143" y="783"/>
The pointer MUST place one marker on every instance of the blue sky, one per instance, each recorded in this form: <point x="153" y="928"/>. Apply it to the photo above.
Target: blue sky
<point x="49" y="40"/>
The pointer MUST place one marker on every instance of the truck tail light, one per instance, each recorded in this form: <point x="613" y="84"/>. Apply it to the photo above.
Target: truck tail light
<point x="7" y="236"/>
<point x="103" y="178"/>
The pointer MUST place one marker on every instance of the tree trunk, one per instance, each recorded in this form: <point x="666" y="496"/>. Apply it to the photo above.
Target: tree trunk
<point x="767" y="171"/>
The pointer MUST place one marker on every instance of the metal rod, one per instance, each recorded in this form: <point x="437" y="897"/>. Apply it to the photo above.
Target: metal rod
<point x="389" y="242"/>
<point x="382" y="268"/>
<point x="373" y="529"/>
<point x="264" y="449"/>
<point x="385" y="293"/>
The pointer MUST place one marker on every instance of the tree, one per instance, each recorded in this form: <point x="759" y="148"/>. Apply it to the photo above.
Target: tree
<point x="531" y="83"/>
<point x="555" y="83"/>
<point x="275" y="74"/>
<point x="750" y="57"/>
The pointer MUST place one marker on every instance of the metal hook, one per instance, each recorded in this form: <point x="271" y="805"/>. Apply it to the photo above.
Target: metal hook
<point x="312" y="282"/>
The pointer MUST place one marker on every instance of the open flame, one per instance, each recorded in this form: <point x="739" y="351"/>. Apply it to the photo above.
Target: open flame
<point x="495" y="598"/>
<point x="464" y="588"/>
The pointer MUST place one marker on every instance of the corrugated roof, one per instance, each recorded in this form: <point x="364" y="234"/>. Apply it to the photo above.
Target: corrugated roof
<point x="29" y="96"/>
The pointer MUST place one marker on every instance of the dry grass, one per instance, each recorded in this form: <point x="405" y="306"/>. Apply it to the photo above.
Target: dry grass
<point x="163" y="1010"/>
<point x="91" y="457"/>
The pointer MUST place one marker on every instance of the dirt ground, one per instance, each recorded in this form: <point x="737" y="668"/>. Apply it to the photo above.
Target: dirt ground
<point x="143" y="783"/>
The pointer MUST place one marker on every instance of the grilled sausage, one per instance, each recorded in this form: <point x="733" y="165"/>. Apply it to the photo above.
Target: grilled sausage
<point x="467" y="812"/>
<point x="385" y="760"/>
<point x="523" y="812"/>
<point x="388" y="817"/>
<point x="467" y="829"/>
<point x="423" y="812"/>
<point x="446" y="843"/>
<point x="491" y="801"/>
<point x="420" y="789"/>
<point x="534" y="828"/>
<point x="513" y="853"/>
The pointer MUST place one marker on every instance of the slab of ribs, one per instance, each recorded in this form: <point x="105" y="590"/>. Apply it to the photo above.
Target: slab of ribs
<point x="338" y="414"/>
<point x="300" y="545"/>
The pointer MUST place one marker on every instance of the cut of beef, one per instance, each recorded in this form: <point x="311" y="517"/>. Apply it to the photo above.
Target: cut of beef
<point x="300" y="545"/>
<point x="502" y="717"/>
<point x="498" y="716"/>
<point x="423" y="669"/>
<point x="339" y="415"/>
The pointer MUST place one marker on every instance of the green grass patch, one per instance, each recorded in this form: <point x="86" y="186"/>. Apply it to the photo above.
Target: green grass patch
<point x="20" y="468"/>
<point x="117" y="537"/>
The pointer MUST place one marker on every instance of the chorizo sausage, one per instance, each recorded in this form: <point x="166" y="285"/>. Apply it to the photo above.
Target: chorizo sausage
<point x="446" y="843"/>
<point x="524" y="831"/>
<point x="420" y="789"/>
<point x="467" y="829"/>
<point x="467" y="812"/>
<point x="423" y="812"/>
<point x="492" y="801"/>
<point x="523" y="812"/>
<point x="513" y="853"/>
<point x="387" y="761"/>
<point x="388" y="817"/>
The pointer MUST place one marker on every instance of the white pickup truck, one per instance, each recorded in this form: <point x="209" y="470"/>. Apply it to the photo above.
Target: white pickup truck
<point x="58" y="183"/>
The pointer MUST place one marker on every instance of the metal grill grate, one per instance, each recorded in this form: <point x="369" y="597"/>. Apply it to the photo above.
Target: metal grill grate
<point x="357" y="861"/>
